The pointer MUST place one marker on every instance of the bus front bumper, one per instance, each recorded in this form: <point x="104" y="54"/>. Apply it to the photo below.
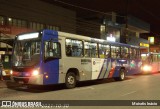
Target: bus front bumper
<point x="33" y="80"/>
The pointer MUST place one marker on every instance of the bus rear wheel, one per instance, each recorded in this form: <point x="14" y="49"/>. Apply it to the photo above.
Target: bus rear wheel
<point x="121" y="75"/>
<point x="70" y="80"/>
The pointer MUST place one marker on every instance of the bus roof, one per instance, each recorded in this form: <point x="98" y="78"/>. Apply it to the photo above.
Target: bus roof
<point x="81" y="37"/>
<point x="101" y="41"/>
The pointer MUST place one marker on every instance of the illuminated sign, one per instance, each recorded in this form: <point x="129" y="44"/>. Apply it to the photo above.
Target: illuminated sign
<point x="28" y="36"/>
<point x="111" y="38"/>
<point x="151" y="40"/>
<point x="144" y="45"/>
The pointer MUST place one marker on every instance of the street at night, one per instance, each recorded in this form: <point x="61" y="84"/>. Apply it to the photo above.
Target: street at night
<point x="137" y="87"/>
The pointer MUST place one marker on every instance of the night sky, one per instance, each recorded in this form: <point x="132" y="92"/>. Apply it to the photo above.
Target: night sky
<point x="146" y="10"/>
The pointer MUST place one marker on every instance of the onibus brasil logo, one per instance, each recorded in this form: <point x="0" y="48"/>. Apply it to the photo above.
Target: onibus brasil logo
<point x="20" y="104"/>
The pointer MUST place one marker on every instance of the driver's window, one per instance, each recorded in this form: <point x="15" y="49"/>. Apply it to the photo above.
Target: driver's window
<point x="52" y="49"/>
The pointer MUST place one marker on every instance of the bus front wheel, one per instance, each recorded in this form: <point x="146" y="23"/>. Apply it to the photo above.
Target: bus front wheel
<point x="70" y="80"/>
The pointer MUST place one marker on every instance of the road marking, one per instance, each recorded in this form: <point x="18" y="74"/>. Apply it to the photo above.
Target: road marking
<point x="129" y="93"/>
<point x="84" y="88"/>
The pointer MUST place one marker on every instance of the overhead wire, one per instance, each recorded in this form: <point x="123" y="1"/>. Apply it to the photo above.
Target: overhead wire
<point x="96" y="11"/>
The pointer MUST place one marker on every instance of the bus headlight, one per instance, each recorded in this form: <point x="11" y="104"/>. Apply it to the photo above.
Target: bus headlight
<point x="146" y="68"/>
<point x="35" y="72"/>
<point x="3" y="73"/>
<point x="11" y="72"/>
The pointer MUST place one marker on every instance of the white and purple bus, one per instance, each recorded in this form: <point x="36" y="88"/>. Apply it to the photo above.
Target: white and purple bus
<point x="150" y="62"/>
<point x="53" y="57"/>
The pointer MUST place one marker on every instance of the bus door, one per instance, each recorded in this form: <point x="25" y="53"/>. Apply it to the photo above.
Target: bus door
<point x="52" y="55"/>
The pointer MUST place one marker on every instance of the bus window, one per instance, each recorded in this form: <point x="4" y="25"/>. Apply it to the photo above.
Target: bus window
<point x="74" y="48"/>
<point x="115" y="52"/>
<point x="104" y="51"/>
<point x="154" y="58"/>
<point x="132" y="53"/>
<point x="124" y="53"/>
<point x="138" y="55"/>
<point x="26" y="53"/>
<point x="90" y="49"/>
<point x="52" y="50"/>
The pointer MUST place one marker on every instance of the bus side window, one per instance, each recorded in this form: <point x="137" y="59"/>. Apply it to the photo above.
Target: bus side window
<point x="115" y="52"/>
<point x="104" y="51"/>
<point x="74" y="51"/>
<point x="132" y="53"/>
<point x="124" y="53"/>
<point x="52" y="49"/>
<point x="68" y="50"/>
<point x="74" y="48"/>
<point x="137" y="54"/>
<point x="90" y="49"/>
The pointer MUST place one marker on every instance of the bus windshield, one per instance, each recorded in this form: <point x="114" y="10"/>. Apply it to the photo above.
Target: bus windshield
<point x="26" y="53"/>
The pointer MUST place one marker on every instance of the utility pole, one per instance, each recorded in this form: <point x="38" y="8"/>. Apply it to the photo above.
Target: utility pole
<point x="126" y="21"/>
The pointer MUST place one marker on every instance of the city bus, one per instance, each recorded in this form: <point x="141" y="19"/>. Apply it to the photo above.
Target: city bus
<point x="150" y="62"/>
<point x="53" y="57"/>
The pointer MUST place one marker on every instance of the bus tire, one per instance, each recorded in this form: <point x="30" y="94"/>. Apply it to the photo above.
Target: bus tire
<point x="121" y="75"/>
<point x="70" y="80"/>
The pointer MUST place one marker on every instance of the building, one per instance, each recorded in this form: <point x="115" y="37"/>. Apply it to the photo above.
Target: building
<point x="115" y="28"/>
<point x="23" y="16"/>
<point x="18" y="16"/>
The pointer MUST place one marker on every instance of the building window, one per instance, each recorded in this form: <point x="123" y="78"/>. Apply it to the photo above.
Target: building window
<point x="36" y="26"/>
<point x="17" y="22"/>
<point x="51" y="27"/>
<point x="1" y="20"/>
<point x="102" y="31"/>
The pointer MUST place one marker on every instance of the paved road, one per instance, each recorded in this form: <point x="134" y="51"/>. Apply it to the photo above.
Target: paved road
<point x="138" y="87"/>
